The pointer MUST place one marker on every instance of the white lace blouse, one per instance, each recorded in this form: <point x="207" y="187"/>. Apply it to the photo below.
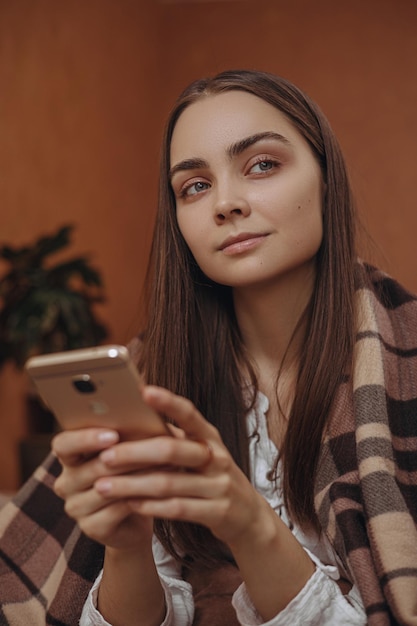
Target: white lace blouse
<point x="319" y="603"/>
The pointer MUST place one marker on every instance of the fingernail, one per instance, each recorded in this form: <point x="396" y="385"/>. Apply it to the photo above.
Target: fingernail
<point x="152" y="391"/>
<point x="109" y="436"/>
<point x="103" y="486"/>
<point x="107" y="456"/>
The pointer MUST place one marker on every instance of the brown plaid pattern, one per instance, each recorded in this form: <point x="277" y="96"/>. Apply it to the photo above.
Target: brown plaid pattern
<point x="47" y="565"/>
<point x="366" y="491"/>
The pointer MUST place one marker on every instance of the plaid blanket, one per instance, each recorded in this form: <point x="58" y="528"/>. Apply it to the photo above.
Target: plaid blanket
<point x="366" y="492"/>
<point x="47" y="565"/>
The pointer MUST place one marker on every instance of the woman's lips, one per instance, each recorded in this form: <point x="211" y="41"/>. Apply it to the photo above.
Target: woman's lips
<point x="241" y="243"/>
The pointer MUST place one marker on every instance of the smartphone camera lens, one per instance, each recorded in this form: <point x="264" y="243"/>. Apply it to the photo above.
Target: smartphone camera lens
<point x="84" y="384"/>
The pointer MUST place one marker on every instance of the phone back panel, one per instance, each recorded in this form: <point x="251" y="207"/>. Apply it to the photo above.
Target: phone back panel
<point x="112" y="400"/>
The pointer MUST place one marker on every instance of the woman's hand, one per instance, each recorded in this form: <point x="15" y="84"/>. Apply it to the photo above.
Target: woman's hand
<point x="108" y="521"/>
<point x="130" y="585"/>
<point x="198" y="481"/>
<point x="191" y="478"/>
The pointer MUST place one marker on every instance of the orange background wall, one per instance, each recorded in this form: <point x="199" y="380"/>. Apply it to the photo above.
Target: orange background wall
<point x="86" y="84"/>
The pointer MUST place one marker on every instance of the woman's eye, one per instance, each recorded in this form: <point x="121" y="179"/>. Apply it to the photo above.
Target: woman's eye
<point x="194" y="189"/>
<point x="262" y="166"/>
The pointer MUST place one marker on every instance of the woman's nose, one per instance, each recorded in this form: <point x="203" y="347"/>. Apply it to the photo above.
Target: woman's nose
<point x="230" y="205"/>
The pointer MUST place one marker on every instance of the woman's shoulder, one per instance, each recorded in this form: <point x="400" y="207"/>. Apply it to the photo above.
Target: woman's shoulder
<point x="389" y="292"/>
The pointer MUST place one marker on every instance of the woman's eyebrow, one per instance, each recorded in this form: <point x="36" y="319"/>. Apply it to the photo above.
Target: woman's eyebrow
<point x="187" y="164"/>
<point x="243" y="144"/>
<point x="232" y="151"/>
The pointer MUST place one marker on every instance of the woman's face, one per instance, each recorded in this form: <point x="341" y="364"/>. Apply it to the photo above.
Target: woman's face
<point x="248" y="191"/>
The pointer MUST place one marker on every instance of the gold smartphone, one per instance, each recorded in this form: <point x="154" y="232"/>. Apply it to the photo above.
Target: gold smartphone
<point x="97" y="386"/>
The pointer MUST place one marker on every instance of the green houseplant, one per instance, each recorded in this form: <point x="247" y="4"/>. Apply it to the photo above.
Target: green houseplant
<point x="45" y="307"/>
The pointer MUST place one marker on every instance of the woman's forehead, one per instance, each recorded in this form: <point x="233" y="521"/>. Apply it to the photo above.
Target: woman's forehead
<point x="222" y="119"/>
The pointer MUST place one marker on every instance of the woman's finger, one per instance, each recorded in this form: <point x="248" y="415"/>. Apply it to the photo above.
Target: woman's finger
<point x="161" y="485"/>
<point x="157" y="452"/>
<point x="85" y="503"/>
<point x="192" y="510"/>
<point x="74" y="446"/>
<point x="103" y="523"/>
<point x="81" y="477"/>
<point x="182" y="411"/>
<point x="225" y="520"/>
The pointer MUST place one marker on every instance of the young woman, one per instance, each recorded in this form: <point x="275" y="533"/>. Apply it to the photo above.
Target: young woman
<point x="288" y="369"/>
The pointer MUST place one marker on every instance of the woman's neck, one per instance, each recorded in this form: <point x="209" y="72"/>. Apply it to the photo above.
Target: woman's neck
<point x="272" y="329"/>
<point x="269" y="315"/>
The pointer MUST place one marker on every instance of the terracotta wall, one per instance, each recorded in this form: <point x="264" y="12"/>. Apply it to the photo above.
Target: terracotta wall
<point x="78" y="122"/>
<point x="357" y="59"/>
<point x="84" y="88"/>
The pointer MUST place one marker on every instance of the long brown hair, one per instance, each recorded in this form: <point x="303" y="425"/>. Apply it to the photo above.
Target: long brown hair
<point x="192" y="343"/>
